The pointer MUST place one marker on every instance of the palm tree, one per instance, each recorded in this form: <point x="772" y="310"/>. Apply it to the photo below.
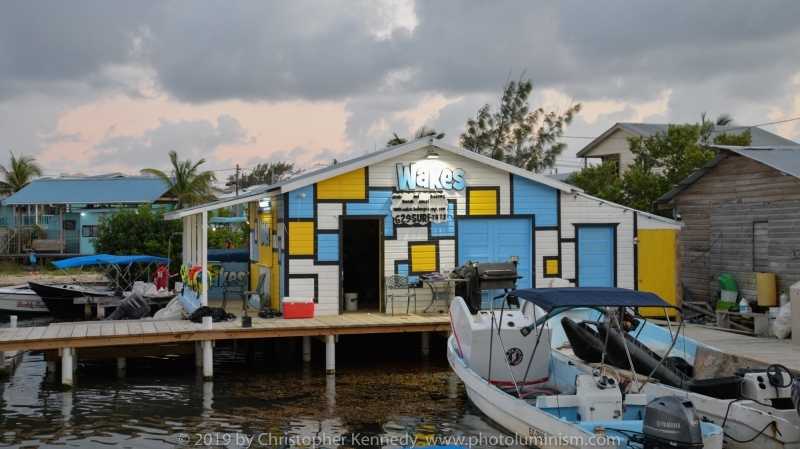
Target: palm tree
<point x="723" y="119"/>
<point x="423" y="131"/>
<point x="19" y="173"/>
<point x="189" y="185"/>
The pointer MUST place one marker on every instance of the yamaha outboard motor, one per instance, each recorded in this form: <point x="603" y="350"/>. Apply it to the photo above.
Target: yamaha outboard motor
<point x="671" y="422"/>
<point x="132" y="307"/>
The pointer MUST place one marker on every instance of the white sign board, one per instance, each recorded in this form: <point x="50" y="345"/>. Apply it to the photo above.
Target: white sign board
<point x="419" y="208"/>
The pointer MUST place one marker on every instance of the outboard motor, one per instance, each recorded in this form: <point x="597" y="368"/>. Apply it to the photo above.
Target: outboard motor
<point x="133" y="307"/>
<point x="671" y="422"/>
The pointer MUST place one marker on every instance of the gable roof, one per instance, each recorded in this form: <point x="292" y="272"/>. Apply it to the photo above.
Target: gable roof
<point x="759" y="136"/>
<point x="135" y="189"/>
<point x="785" y="159"/>
<point x="381" y="155"/>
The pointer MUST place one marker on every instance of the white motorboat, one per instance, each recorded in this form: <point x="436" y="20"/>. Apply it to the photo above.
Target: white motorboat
<point x="545" y="401"/>
<point x="20" y="299"/>
<point x="753" y="406"/>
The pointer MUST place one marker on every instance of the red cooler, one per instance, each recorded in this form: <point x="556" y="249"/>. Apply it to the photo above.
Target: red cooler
<point x="298" y="308"/>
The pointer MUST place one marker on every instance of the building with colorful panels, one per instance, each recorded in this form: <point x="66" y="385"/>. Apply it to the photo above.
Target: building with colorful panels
<point x="426" y="206"/>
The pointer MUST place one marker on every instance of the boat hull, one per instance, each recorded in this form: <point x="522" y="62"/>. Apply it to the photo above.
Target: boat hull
<point x="70" y="301"/>
<point x="536" y="427"/>
<point x="20" y="299"/>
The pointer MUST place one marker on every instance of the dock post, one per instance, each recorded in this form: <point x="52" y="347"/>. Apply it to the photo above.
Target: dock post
<point x="66" y="368"/>
<point x="198" y="355"/>
<point x="121" y="366"/>
<point x="208" y="353"/>
<point x="426" y="344"/>
<point x="330" y="354"/>
<point x="12" y="325"/>
<point x="51" y="368"/>
<point x="306" y="349"/>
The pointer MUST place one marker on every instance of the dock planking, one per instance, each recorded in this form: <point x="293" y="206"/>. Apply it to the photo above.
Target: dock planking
<point x="99" y="334"/>
<point x="760" y="351"/>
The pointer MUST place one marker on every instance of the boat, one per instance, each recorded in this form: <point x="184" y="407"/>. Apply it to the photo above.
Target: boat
<point x="17" y="299"/>
<point x="71" y="301"/>
<point x="80" y="301"/>
<point x="520" y="385"/>
<point x="754" y="407"/>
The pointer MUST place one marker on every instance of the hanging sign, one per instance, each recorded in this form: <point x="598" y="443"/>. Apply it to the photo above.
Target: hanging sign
<point x="419" y="208"/>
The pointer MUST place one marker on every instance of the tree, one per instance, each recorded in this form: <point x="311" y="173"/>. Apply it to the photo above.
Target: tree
<point x="661" y="161"/>
<point x="422" y="131"/>
<point x="19" y="173"/>
<point x="187" y="183"/>
<point x="139" y="231"/>
<point x="723" y="119"/>
<point x="601" y="180"/>
<point x="268" y="173"/>
<point x="514" y="134"/>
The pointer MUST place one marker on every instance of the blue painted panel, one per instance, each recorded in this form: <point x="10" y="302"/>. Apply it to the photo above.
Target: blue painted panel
<point x="596" y="257"/>
<point x="402" y="268"/>
<point x="328" y="247"/>
<point x="380" y="203"/>
<point x="530" y="197"/>
<point x="496" y="240"/>
<point x="447" y="229"/>
<point x="301" y="207"/>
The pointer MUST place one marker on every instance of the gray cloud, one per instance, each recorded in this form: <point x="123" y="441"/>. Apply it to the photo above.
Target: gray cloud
<point x="190" y="139"/>
<point x="714" y="56"/>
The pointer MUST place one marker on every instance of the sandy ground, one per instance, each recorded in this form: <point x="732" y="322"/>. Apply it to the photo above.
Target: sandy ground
<point x="6" y="280"/>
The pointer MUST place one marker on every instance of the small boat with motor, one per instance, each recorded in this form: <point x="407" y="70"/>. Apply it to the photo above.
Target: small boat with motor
<point x="520" y="384"/>
<point x="16" y="299"/>
<point x="593" y="326"/>
<point x="80" y="301"/>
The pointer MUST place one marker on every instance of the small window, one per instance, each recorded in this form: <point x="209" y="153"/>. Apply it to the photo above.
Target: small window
<point x="69" y="225"/>
<point x="90" y="231"/>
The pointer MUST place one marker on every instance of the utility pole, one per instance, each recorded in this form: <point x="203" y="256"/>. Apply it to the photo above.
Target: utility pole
<point x="237" y="179"/>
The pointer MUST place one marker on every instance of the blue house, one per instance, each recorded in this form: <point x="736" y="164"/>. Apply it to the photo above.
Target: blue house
<point x="69" y="209"/>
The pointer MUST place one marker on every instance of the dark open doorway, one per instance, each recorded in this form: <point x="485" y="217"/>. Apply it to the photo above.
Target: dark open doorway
<point x="362" y="245"/>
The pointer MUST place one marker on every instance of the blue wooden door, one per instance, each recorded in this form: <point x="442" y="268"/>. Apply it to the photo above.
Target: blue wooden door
<point x="496" y="240"/>
<point x="596" y="256"/>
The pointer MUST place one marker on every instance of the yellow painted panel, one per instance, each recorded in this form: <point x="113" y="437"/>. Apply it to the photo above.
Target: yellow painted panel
<point x="657" y="261"/>
<point x="349" y="186"/>
<point x="551" y="267"/>
<point x="423" y="258"/>
<point x="483" y="202"/>
<point x="264" y="235"/>
<point x="301" y="238"/>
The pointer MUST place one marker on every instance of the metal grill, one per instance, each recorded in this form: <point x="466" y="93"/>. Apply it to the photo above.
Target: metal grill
<point x="496" y="275"/>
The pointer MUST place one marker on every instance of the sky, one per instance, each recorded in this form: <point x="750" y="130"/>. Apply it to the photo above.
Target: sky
<point x="98" y="87"/>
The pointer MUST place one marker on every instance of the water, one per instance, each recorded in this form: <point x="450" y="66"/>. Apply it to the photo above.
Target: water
<point x="384" y="394"/>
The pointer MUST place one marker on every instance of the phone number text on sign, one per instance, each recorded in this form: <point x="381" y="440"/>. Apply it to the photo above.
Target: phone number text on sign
<point x="412" y="219"/>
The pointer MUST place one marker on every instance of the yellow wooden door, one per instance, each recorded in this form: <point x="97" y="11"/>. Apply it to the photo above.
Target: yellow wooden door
<point x="657" y="261"/>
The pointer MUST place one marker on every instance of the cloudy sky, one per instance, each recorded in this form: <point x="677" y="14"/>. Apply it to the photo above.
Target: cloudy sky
<point x="99" y="86"/>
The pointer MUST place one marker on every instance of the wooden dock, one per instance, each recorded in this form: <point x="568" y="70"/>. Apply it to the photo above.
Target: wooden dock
<point x="753" y="351"/>
<point x="94" y="334"/>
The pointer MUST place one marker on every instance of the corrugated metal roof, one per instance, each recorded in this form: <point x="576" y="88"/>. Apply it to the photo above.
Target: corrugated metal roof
<point x="363" y="161"/>
<point x="785" y="159"/>
<point x="137" y="189"/>
<point x="759" y="137"/>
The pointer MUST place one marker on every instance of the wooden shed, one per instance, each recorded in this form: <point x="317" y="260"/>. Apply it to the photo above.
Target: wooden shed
<point x="741" y="215"/>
